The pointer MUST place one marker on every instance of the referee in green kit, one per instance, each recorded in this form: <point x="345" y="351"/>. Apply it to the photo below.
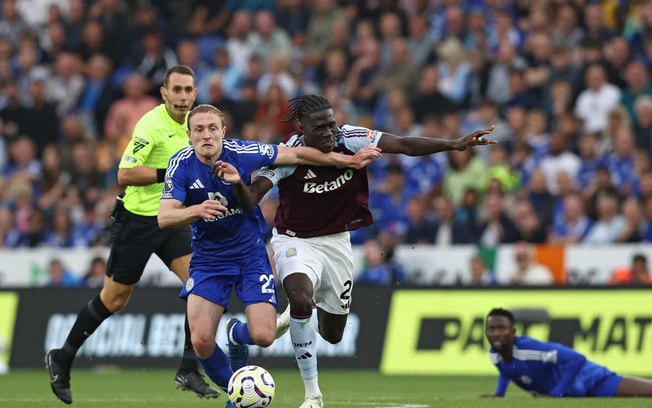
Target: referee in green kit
<point x="135" y="234"/>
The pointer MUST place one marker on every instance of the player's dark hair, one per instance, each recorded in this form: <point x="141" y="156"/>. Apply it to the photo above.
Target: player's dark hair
<point x="301" y="106"/>
<point x="178" y="69"/>
<point x="205" y="108"/>
<point x="502" y="312"/>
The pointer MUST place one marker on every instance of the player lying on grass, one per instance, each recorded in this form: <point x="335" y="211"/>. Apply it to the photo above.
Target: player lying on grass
<point x="227" y="250"/>
<point x="551" y="369"/>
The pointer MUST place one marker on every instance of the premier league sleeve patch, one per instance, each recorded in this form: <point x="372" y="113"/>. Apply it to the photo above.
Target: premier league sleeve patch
<point x="266" y="150"/>
<point x="168" y="186"/>
<point x="291" y="252"/>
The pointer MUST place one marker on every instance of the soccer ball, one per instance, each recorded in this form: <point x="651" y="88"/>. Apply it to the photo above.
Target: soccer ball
<point x="251" y="387"/>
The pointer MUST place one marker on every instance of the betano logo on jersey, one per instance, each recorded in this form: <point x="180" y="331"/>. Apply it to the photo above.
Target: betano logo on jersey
<point x="319" y="188"/>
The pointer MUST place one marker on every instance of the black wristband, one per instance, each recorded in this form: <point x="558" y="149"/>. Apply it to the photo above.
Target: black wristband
<point x="160" y="175"/>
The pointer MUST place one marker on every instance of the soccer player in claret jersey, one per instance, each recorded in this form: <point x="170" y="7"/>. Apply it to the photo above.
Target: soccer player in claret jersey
<point x="318" y="207"/>
<point x="135" y="234"/>
<point x="227" y="248"/>
<point x="551" y="369"/>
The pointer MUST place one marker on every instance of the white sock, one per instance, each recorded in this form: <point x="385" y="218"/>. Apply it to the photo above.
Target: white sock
<point x="304" y="341"/>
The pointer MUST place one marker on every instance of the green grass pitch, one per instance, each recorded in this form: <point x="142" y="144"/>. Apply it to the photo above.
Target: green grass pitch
<point x="342" y="389"/>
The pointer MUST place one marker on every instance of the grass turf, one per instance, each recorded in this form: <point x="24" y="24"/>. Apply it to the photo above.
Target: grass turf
<point x="342" y="389"/>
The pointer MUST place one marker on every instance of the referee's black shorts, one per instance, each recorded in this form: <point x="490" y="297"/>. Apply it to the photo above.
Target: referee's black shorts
<point x="134" y="238"/>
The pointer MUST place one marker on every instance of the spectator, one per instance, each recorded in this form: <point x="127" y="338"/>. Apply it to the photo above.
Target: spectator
<point x="632" y="230"/>
<point x="40" y="122"/>
<point x="573" y="224"/>
<point x="643" y="114"/>
<point x="466" y="170"/>
<point x="59" y="276"/>
<point x="420" y="229"/>
<point x="66" y="85"/>
<point x="637" y="274"/>
<point x="126" y="111"/>
<point x="429" y="100"/>
<point x="94" y="277"/>
<point x="590" y="159"/>
<point x="621" y="162"/>
<point x="154" y="59"/>
<point x="268" y="39"/>
<point x="528" y="271"/>
<point x="530" y="225"/>
<point x="638" y="85"/>
<point x="609" y="224"/>
<point x="597" y="100"/>
<point x="480" y="274"/>
<point x="98" y="93"/>
<point x="12" y="24"/>
<point x="496" y="227"/>
<point x="239" y="44"/>
<point x="379" y="269"/>
<point x="559" y="159"/>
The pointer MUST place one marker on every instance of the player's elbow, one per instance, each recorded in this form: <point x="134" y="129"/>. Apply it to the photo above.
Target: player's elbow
<point x="162" y="221"/>
<point x="122" y="177"/>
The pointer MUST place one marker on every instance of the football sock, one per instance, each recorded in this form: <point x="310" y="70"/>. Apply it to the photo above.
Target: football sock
<point x="217" y="368"/>
<point x="240" y="334"/>
<point x="304" y="339"/>
<point x="189" y="360"/>
<point x="89" y="318"/>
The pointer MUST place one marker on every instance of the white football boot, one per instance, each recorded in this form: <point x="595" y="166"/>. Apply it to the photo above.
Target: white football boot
<point x="314" y="401"/>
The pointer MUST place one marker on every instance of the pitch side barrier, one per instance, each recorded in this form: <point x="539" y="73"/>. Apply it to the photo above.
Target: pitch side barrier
<point x="442" y="331"/>
<point x="405" y="331"/>
<point x="149" y="332"/>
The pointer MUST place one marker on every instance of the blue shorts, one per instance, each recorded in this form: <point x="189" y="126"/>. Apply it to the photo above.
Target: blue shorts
<point x="595" y="380"/>
<point x="252" y="278"/>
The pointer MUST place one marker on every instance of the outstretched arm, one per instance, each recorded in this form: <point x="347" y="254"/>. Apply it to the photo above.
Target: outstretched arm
<point x="501" y="387"/>
<point x="311" y="156"/>
<point x="248" y="196"/>
<point x="421" y="146"/>
<point x="172" y="213"/>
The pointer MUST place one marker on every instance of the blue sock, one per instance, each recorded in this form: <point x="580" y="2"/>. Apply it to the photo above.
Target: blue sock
<point x="217" y="368"/>
<point x="241" y="334"/>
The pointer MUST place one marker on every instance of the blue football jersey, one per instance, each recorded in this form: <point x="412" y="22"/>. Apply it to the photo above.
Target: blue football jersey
<point x="551" y="369"/>
<point x="237" y="232"/>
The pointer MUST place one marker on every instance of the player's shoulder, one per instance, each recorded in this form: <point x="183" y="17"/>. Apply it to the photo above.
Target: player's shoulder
<point x="293" y="140"/>
<point x="351" y="131"/>
<point x="182" y="156"/>
<point x="525" y="342"/>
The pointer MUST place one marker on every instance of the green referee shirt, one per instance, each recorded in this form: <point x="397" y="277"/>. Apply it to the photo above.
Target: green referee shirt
<point x="155" y="139"/>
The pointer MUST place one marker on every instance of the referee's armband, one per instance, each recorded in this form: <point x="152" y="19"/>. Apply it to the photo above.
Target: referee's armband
<point x="160" y="175"/>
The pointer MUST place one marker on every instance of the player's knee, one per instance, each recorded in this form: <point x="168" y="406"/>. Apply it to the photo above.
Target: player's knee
<point x="333" y="337"/>
<point x="263" y="339"/>
<point x="301" y="302"/>
<point x="116" y="303"/>
<point x="203" y="344"/>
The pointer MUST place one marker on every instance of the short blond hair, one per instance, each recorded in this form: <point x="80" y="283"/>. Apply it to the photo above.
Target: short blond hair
<point x="205" y="108"/>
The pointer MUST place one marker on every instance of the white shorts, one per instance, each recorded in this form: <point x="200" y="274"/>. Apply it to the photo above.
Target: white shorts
<point x="328" y="262"/>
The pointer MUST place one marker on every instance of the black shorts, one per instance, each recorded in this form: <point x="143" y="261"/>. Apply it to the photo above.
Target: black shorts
<point x="134" y="238"/>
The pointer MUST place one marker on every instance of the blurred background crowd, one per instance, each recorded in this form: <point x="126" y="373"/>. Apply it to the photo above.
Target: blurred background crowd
<point x="566" y="83"/>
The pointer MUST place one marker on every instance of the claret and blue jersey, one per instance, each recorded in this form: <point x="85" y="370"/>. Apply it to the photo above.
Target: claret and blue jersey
<point x="553" y="369"/>
<point x="236" y="233"/>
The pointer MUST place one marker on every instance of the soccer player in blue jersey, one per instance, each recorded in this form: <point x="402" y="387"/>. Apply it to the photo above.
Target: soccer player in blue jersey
<point x="227" y="249"/>
<point x="551" y="369"/>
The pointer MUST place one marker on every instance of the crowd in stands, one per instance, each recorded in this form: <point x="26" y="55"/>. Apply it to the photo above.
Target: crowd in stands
<point x="566" y="83"/>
